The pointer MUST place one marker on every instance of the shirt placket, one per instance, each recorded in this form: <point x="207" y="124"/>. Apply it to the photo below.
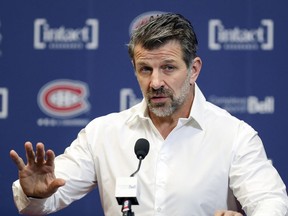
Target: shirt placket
<point x="160" y="184"/>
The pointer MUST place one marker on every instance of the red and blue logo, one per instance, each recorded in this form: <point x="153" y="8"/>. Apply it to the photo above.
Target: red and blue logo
<point x="64" y="98"/>
<point x="142" y="19"/>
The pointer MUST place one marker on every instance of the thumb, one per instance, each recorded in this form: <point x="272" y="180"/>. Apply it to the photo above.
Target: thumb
<point x="55" y="184"/>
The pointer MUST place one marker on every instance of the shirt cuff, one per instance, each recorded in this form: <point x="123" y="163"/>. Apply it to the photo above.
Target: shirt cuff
<point x="22" y="202"/>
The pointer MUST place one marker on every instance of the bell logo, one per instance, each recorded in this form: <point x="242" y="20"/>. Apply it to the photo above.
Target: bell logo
<point x="262" y="107"/>
<point x="64" y="98"/>
<point x="250" y="104"/>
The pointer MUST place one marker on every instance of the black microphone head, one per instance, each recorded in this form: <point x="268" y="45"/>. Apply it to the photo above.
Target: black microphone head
<point x="141" y="148"/>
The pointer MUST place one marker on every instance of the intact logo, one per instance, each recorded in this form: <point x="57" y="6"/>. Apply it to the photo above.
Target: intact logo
<point x="3" y="103"/>
<point x="235" y="38"/>
<point x="85" y="37"/>
<point x="142" y="19"/>
<point x="128" y="98"/>
<point x="1" y="37"/>
<point x="64" y="98"/>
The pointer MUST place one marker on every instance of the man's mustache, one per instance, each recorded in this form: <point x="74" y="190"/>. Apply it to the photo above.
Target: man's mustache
<point x="160" y="91"/>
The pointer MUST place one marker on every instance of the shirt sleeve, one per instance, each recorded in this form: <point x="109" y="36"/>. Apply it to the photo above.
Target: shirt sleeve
<point x="23" y="203"/>
<point x="76" y="167"/>
<point x="253" y="179"/>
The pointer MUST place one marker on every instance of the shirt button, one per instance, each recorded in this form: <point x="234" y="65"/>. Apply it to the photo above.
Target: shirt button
<point x="158" y="209"/>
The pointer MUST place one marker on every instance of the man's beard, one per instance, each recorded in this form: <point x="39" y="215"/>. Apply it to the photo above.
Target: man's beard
<point x="164" y="109"/>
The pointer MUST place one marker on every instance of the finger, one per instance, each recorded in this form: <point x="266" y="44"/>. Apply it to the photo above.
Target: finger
<point x="50" y="156"/>
<point x="227" y="213"/>
<point x="40" y="153"/>
<point x="232" y="213"/>
<point x="17" y="160"/>
<point x="58" y="183"/>
<point x="30" y="155"/>
<point x="53" y="187"/>
<point x="219" y="213"/>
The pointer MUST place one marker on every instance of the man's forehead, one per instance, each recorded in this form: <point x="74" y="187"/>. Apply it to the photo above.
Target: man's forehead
<point x="172" y="48"/>
<point x="172" y="44"/>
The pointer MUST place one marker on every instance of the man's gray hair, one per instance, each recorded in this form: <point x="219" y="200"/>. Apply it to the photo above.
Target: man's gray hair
<point x="160" y="29"/>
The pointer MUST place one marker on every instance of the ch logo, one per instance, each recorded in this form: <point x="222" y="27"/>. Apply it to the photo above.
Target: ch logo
<point x="64" y="98"/>
<point x="3" y="103"/>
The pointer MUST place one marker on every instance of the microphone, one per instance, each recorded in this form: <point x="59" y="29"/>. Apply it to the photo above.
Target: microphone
<point x="141" y="149"/>
<point x="126" y="187"/>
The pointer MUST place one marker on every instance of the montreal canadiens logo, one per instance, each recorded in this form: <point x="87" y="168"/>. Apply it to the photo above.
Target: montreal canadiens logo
<point x="142" y="19"/>
<point x="64" y="98"/>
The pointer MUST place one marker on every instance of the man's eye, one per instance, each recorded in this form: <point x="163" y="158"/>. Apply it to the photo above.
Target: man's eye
<point x="168" y="67"/>
<point x="145" y="70"/>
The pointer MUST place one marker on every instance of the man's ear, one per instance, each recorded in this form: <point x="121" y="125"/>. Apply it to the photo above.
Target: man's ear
<point x="133" y="64"/>
<point x="196" y="68"/>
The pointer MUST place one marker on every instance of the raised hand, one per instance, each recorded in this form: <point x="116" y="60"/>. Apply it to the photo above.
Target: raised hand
<point x="37" y="177"/>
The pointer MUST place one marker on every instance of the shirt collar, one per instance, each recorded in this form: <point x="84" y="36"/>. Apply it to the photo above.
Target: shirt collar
<point x="195" y="118"/>
<point x="198" y="109"/>
<point x="139" y="111"/>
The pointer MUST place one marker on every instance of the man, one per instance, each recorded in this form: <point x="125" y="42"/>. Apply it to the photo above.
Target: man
<point x="202" y="161"/>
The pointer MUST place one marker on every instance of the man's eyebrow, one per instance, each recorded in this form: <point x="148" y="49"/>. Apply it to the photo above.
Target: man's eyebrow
<point x="144" y="62"/>
<point x="141" y="63"/>
<point x="169" y="60"/>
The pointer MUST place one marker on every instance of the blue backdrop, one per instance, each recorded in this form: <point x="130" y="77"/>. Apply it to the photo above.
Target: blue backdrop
<point x="63" y="63"/>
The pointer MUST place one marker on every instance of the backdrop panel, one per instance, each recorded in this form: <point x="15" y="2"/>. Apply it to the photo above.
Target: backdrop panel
<point x="74" y="54"/>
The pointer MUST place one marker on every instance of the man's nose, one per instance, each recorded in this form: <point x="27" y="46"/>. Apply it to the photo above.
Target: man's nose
<point x="156" y="80"/>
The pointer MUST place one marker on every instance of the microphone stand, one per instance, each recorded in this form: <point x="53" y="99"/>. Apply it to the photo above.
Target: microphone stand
<point x="139" y="165"/>
<point x="126" y="208"/>
<point x="127" y="205"/>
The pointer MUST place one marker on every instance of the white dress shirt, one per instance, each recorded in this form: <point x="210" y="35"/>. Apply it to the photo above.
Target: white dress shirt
<point x="204" y="162"/>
